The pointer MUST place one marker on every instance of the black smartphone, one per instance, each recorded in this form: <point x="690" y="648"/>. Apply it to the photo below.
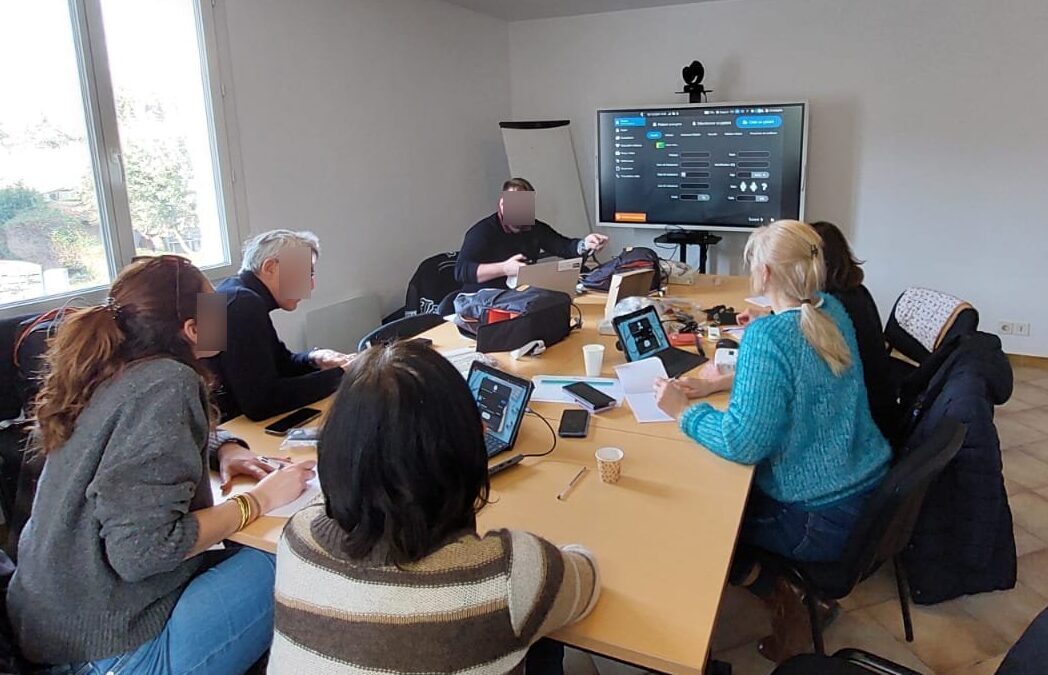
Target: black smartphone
<point x="589" y="397"/>
<point x="292" y="420"/>
<point x="573" y="424"/>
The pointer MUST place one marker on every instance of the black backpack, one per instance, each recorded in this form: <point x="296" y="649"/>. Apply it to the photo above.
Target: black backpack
<point x="630" y="260"/>
<point x="504" y="320"/>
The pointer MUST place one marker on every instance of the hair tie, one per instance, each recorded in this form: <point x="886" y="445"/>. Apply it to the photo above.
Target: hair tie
<point x="806" y="301"/>
<point x="814" y="251"/>
<point x="113" y="307"/>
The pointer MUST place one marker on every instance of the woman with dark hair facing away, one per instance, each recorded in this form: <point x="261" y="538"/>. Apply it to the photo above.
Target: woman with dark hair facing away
<point x="112" y="573"/>
<point x="798" y="414"/>
<point x="389" y="574"/>
<point x="844" y="278"/>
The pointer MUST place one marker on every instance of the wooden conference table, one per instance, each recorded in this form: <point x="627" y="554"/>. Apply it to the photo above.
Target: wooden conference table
<point x="663" y="535"/>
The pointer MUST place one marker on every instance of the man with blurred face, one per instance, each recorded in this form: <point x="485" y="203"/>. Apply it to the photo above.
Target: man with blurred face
<point x="258" y="375"/>
<point x="498" y="246"/>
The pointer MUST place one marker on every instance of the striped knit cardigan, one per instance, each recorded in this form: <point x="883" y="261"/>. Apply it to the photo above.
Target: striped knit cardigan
<point x="474" y="606"/>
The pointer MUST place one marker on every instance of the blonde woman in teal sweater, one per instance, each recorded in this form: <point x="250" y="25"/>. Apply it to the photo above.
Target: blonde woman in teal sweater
<point x="798" y="413"/>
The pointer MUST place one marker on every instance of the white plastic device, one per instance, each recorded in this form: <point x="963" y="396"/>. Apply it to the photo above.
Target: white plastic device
<point x="533" y="348"/>
<point x="724" y="360"/>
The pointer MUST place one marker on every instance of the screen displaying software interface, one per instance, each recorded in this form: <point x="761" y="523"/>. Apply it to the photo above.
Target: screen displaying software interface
<point x="501" y="403"/>
<point x="711" y="165"/>
<point x="643" y="336"/>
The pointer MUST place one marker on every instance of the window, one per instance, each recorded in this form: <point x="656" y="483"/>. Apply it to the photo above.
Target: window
<point x="112" y="144"/>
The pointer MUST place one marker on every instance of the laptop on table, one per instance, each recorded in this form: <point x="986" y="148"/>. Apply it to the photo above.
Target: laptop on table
<point x="555" y="275"/>
<point x="502" y="400"/>
<point x="642" y="336"/>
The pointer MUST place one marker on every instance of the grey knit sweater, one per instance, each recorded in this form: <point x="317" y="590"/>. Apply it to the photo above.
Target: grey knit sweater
<point x="102" y="559"/>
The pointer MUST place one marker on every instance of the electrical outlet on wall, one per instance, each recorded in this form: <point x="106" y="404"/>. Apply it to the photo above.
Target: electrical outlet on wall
<point x="1017" y="328"/>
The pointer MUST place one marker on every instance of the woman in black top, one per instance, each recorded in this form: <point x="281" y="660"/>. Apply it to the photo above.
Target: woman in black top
<point x="844" y="278"/>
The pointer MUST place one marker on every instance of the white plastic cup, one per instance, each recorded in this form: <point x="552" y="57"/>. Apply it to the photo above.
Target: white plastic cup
<point x="593" y="358"/>
<point x="609" y="464"/>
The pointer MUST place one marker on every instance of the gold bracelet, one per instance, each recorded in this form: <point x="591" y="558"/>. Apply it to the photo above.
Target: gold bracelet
<point x="255" y="510"/>
<point x="243" y="507"/>
<point x="247" y="511"/>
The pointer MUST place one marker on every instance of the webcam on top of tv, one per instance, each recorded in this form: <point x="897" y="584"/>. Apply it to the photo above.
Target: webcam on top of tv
<point x="693" y="87"/>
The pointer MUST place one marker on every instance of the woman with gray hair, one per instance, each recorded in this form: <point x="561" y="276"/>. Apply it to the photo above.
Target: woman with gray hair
<point x="258" y="375"/>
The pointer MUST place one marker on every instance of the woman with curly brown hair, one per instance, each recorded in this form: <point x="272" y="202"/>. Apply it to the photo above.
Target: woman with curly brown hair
<point x="111" y="576"/>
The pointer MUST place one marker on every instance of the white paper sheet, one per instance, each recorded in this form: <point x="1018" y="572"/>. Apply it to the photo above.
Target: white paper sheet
<point x="638" y="382"/>
<point x="759" y="300"/>
<point x="550" y="388"/>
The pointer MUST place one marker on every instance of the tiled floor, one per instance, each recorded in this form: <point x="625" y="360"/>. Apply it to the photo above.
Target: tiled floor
<point x="966" y="636"/>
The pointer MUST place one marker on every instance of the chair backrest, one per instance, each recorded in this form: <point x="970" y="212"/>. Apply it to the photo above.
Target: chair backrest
<point x="890" y="515"/>
<point x="923" y="319"/>
<point x="1030" y="654"/>
<point x="844" y="662"/>
<point x="432" y="281"/>
<point x="447" y="305"/>
<point x="10" y="397"/>
<point x="408" y="327"/>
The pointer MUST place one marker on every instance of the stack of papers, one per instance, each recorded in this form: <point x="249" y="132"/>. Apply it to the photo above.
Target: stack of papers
<point x="550" y="388"/>
<point x="464" y="357"/>
<point x="638" y="382"/>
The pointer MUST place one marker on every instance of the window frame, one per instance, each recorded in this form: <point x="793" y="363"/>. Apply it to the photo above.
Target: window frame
<point x="103" y="139"/>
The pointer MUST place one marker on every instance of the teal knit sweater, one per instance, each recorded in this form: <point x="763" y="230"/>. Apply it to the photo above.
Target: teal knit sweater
<point x="809" y="432"/>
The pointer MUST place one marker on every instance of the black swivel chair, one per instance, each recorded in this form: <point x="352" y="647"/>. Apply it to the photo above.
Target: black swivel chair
<point x="12" y="436"/>
<point x="883" y="530"/>
<point x="447" y="305"/>
<point x="844" y="662"/>
<point x="408" y="327"/>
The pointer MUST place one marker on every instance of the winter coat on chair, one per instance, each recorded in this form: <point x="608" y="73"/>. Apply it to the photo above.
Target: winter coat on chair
<point x="963" y="542"/>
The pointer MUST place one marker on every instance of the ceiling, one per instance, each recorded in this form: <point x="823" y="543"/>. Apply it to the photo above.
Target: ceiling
<point x="516" y="10"/>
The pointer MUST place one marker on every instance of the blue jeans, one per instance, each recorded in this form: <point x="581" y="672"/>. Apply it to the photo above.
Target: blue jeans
<point x="799" y="534"/>
<point x="222" y="624"/>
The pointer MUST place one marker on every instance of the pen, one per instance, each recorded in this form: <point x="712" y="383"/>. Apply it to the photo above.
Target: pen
<point x="564" y="493"/>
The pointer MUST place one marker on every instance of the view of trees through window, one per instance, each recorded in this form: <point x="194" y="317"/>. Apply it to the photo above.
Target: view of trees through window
<point x="51" y="227"/>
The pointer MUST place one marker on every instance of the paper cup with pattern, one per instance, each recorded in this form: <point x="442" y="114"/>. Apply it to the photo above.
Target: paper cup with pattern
<point x="609" y="464"/>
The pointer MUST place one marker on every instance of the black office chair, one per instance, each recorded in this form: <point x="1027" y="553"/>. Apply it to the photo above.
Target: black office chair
<point x="408" y="327"/>
<point x="447" y="305"/>
<point x="882" y="531"/>
<point x="844" y="662"/>
<point x="1030" y="654"/>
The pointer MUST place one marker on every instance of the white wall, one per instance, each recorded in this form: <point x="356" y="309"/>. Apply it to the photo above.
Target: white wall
<point x="928" y="142"/>
<point x="373" y="123"/>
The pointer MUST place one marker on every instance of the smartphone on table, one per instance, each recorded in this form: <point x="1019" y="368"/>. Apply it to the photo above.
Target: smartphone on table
<point x="574" y="424"/>
<point x="589" y="397"/>
<point x="292" y="420"/>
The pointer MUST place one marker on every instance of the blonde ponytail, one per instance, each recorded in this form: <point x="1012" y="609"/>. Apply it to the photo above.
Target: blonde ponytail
<point x="825" y="338"/>
<point x="791" y="253"/>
